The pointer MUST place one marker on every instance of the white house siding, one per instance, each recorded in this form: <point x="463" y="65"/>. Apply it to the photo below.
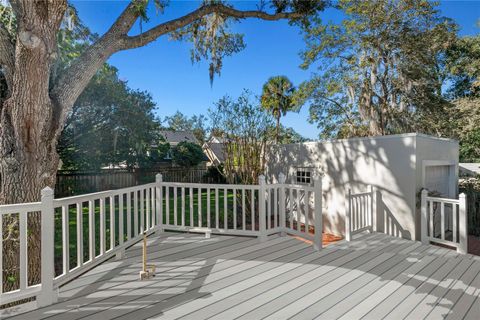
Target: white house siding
<point x="389" y="163"/>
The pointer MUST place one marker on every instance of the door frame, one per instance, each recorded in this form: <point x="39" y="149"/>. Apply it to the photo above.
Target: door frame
<point x="452" y="174"/>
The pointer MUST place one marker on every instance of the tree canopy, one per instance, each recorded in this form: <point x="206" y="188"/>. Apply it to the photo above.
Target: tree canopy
<point x="379" y="69"/>
<point x="187" y="154"/>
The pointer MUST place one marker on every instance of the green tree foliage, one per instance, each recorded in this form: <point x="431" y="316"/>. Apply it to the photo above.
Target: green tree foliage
<point x="378" y="70"/>
<point x="187" y="154"/>
<point x="180" y="122"/>
<point x="277" y="99"/>
<point x="111" y="124"/>
<point x="463" y="64"/>
<point x="246" y="130"/>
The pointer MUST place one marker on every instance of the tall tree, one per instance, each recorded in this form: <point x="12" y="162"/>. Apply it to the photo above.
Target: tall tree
<point x="39" y="98"/>
<point x="277" y="99"/>
<point x="110" y="124"/>
<point x="463" y="65"/>
<point x="245" y="129"/>
<point x="385" y="58"/>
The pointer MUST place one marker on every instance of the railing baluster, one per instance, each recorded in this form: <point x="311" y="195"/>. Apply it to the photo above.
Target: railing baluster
<point x="225" y="208"/>
<point x="112" y="223"/>
<point x="454" y="222"/>
<point x="306" y="205"/>
<point x="217" y="211"/>
<point x="22" y="216"/>
<point x="175" y="205"/>
<point x="191" y="206"/>
<point x="129" y="215"/>
<point x="135" y="214"/>
<point x="269" y="208"/>
<point x="91" y="230"/>
<point x="234" y="209"/>
<point x="199" y="207"/>
<point x="243" y="210"/>
<point x="290" y="204"/>
<point x="432" y="234"/>
<point x="148" y="212"/>
<point x="79" y="208"/>
<point x="142" y="211"/>
<point x="121" y="232"/>
<point x="65" y="240"/>
<point x="299" y="227"/>
<point x="442" y="222"/>
<point x="208" y="208"/>
<point x="102" y="225"/>
<point x="153" y="208"/>
<point x="183" y="206"/>
<point x="275" y="207"/>
<point x="167" y="204"/>
<point x="252" y="208"/>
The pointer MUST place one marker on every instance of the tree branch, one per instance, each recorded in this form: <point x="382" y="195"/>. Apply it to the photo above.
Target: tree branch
<point x="72" y="82"/>
<point x="146" y="37"/>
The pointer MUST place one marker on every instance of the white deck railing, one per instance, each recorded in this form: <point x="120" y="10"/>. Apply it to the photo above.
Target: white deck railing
<point x="125" y="214"/>
<point x="359" y="216"/>
<point x="444" y="221"/>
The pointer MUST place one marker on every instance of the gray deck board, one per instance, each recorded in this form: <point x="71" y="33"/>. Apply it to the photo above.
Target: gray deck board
<point x="226" y="277"/>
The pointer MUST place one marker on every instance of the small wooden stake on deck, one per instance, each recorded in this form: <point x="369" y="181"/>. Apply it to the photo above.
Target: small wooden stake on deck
<point x="148" y="271"/>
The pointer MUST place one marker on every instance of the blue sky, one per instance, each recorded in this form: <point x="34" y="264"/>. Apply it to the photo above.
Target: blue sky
<point x="164" y="69"/>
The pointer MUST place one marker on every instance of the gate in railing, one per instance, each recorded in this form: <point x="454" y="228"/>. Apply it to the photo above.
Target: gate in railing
<point x="94" y="227"/>
<point x="359" y="216"/>
<point x="444" y="221"/>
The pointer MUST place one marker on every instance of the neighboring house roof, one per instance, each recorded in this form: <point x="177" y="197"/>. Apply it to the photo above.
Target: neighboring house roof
<point x="216" y="139"/>
<point x="175" y="137"/>
<point x="215" y="152"/>
<point x="469" y="169"/>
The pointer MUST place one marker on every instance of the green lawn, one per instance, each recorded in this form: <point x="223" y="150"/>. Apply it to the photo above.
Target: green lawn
<point x="72" y="213"/>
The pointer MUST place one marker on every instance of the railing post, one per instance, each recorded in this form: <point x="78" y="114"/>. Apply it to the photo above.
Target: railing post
<point x="317" y="237"/>
<point x="282" y="204"/>
<point x="348" y="209"/>
<point x="159" y="203"/>
<point x="423" y="218"/>
<point x="47" y="294"/>
<point x="262" y="214"/>
<point x="462" y="220"/>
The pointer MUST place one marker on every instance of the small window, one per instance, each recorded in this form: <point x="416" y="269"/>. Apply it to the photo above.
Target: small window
<point x="304" y="175"/>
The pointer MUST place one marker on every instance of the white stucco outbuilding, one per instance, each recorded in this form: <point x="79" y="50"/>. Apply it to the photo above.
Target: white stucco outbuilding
<point x="397" y="166"/>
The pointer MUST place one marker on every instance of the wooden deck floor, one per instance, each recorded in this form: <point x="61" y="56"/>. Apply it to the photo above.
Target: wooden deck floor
<point x="373" y="277"/>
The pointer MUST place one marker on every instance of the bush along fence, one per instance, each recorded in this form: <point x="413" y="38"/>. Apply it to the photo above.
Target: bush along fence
<point x="79" y="232"/>
<point x="70" y="183"/>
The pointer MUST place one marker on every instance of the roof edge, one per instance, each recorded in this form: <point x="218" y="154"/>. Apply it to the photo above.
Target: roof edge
<point x="392" y="136"/>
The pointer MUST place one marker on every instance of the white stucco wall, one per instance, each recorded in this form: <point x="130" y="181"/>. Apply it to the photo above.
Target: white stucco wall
<point x="389" y="163"/>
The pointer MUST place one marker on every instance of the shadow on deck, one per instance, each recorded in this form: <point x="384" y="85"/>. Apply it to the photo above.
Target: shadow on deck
<point x="224" y="277"/>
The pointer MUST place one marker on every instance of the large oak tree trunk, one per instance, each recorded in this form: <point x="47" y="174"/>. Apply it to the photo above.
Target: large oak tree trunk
<point x="29" y="128"/>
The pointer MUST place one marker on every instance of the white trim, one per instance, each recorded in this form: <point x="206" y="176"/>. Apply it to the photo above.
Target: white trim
<point x="392" y="136"/>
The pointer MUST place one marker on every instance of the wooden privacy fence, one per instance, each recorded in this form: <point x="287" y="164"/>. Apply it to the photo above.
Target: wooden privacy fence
<point x="444" y="221"/>
<point x="70" y="183"/>
<point x="94" y="227"/>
